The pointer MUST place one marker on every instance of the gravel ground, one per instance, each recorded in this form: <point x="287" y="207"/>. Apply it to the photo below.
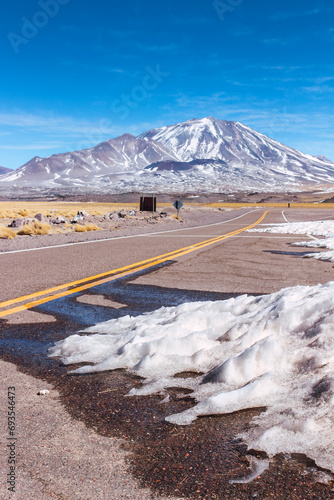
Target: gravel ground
<point x="141" y="223"/>
<point x="58" y="457"/>
<point x="70" y="447"/>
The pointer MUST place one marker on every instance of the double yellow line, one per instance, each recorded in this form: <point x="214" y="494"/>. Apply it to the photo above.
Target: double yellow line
<point x="85" y="283"/>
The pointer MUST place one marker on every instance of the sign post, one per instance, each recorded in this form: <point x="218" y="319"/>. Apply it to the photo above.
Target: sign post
<point x="177" y="204"/>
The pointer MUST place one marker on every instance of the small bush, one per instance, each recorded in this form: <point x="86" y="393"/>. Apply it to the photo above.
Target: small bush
<point x="92" y="227"/>
<point x="24" y="212"/>
<point x="5" y="232"/>
<point x="25" y="230"/>
<point x="41" y="227"/>
<point x="79" y="228"/>
<point x="35" y="227"/>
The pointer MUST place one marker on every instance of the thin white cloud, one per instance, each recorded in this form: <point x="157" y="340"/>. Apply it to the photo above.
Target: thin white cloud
<point x="57" y="125"/>
<point x="286" y="40"/>
<point x="28" y="147"/>
<point x="280" y="16"/>
<point x="167" y="47"/>
<point x="319" y="89"/>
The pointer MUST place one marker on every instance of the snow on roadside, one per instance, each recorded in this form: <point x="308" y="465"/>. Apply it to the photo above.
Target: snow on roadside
<point x="323" y="243"/>
<point x="316" y="228"/>
<point x="327" y="256"/>
<point x="274" y="351"/>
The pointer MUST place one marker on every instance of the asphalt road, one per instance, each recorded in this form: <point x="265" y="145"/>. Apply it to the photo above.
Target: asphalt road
<point x="240" y="263"/>
<point x="236" y="262"/>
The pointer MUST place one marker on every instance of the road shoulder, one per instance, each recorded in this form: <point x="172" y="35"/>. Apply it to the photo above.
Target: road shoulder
<point x="58" y="457"/>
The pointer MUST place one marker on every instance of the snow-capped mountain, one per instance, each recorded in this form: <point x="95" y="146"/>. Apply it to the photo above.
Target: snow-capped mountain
<point x="202" y="155"/>
<point x="241" y="150"/>
<point x="113" y="158"/>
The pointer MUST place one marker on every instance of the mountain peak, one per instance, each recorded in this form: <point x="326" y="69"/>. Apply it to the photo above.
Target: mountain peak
<point x="126" y="136"/>
<point x="323" y="158"/>
<point x="199" y="155"/>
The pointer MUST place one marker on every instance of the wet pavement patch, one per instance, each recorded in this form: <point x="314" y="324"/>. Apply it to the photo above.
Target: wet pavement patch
<point x="196" y="461"/>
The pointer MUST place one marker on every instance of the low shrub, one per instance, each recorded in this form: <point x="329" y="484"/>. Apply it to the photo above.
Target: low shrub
<point x="25" y="230"/>
<point x="92" y="227"/>
<point x="41" y="228"/>
<point x="79" y="228"/>
<point x="36" y="228"/>
<point x="6" y="232"/>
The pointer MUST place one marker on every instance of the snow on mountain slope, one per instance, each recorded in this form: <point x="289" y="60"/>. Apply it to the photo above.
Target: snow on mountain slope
<point x="90" y="166"/>
<point x="323" y="158"/>
<point x="241" y="147"/>
<point x="202" y="155"/>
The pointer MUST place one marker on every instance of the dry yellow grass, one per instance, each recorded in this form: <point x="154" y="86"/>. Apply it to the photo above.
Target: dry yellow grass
<point x="41" y="228"/>
<point x="25" y="230"/>
<point x="14" y="209"/>
<point x="92" y="227"/>
<point x="80" y="228"/>
<point x="35" y="227"/>
<point x="18" y="209"/>
<point x="5" y="232"/>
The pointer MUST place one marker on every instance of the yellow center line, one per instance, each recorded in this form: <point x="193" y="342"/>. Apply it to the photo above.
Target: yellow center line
<point x="112" y="275"/>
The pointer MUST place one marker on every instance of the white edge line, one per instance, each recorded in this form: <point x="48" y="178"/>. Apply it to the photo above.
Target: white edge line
<point x="242" y="235"/>
<point x="123" y="237"/>
<point x="313" y="237"/>
<point x="286" y="220"/>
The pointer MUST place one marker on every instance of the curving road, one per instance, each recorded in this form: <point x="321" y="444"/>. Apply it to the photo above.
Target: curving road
<point x="220" y="257"/>
<point x="97" y="281"/>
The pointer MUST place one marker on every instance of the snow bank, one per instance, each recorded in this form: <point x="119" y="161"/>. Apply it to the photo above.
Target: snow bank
<point x="322" y="243"/>
<point x="316" y="228"/>
<point x="274" y="351"/>
<point x="327" y="256"/>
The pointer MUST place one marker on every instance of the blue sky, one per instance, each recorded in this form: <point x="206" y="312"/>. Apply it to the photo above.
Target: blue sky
<point x="77" y="72"/>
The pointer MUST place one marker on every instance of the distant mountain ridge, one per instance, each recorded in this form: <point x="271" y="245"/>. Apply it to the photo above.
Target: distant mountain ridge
<point x="4" y="170"/>
<point x="202" y="155"/>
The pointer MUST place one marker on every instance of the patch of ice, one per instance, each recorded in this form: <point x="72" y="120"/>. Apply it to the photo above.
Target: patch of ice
<point x="327" y="256"/>
<point x="274" y="351"/>
<point x="321" y="243"/>
<point x="257" y="468"/>
<point x="318" y="228"/>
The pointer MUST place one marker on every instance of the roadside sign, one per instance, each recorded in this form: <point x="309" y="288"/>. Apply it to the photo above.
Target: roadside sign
<point x="178" y="204"/>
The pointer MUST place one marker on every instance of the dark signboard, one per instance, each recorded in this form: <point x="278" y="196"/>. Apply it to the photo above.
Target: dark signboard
<point x="148" y="204"/>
